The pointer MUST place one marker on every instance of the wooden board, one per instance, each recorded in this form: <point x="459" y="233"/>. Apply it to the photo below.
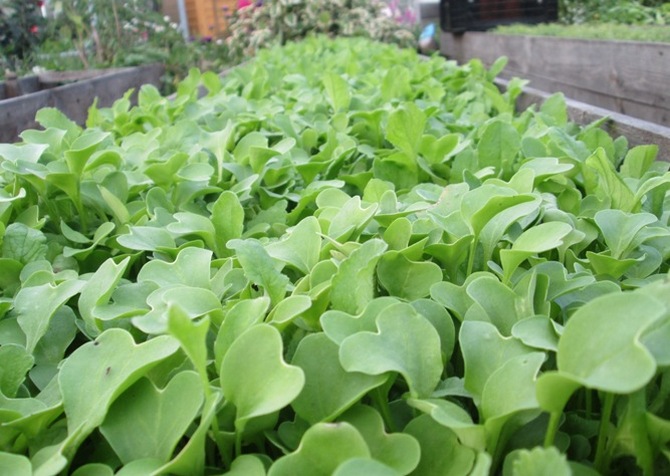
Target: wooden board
<point x="627" y="77"/>
<point x="208" y="18"/>
<point x="18" y="114"/>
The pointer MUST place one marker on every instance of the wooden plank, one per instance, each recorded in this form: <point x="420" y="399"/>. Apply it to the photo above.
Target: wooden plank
<point x="625" y="76"/>
<point x="637" y="131"/>
<point x="74" y="99"/>
<point x="58" y="77"/>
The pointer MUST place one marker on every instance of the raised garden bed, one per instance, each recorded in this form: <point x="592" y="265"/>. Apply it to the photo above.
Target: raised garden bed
<point x="626" y="77"/>
<point x="72" y="93"/>
<point x="343" y="259"/>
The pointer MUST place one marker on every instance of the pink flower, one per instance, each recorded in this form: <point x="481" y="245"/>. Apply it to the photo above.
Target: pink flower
<point x="244" y="3"/>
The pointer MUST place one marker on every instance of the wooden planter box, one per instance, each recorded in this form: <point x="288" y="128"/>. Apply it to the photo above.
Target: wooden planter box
<point x="628" y="77"/>
<point x="18" y="113"/>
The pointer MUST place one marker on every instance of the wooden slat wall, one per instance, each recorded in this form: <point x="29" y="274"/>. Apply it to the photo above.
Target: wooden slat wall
<point x="207" y="18"/>
<point x="623" y="76"/>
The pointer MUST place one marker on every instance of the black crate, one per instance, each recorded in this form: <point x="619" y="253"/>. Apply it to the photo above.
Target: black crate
<point x="460" y="15"/>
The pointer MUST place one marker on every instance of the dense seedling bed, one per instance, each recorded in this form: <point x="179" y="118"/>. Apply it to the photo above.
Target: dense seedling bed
<point x="343" y="260"/>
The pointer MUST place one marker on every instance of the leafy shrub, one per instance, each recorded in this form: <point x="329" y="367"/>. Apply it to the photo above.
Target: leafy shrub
<point x="615" y="11"/>
<point x="342" y="259"/>
<point x="21" y="29"/>
<point x="280" y="21"/>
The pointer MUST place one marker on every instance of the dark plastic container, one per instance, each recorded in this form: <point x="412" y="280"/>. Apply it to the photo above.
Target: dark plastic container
<point x="461" y="15"/>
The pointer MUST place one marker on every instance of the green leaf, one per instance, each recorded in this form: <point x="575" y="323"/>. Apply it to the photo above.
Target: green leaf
<point x="364" y="467"/>
<point x="190" y="268"/>
<point x="15" y="362"/>
<point x="194" y="303"/>
<point x="23" y="244"/>
<point x="638" y="160"/>
<point x="111" y="363"/>
<point x="349" y="220"/>
<point x="228" y="220"/>
<point x="537" y="332"/>
<point x="193" y="224"/>
<point x="535" y="240"/>
<point x="145" y="422"/>
<point x="191" y="459"/>
<point x="36" y="305"/>
<point x="399" y="451"/>
<point x="619" y="229"/>
<point x="454" y="417"/>
<point x="498" y="146"/>
<point x="416" y="355"/>
<point x="97" y="291"/>
<point x="339" y="325"/>
<point x="52" y="117"/>
<point x="337" y="91"/>
<point x="82" y="148"/>
<point x="323" y="448"/>
<point x="485" y="350"/>
<point x="353" y="286"/>
<point x="254" y="376"/>
<point x="554" y="389"/>
<point x="288" y="310"/>
<point x="329" y="390"/>
<point x="441" y="452"/>
<point x="147" y="238"/>
<point x="238" y="319"/>
<point x="260" y="268"/>
<point x="94" y="469"/>
<point x="537" y="462"/>
<point x="192" y="338"/>
<point x="52" y="346"/>
<point x="300" y="247"/>
<point x="442" y="322"/>
<point x="396" y="83"/>
<point x="407" y="279"/>
<point x="509" y="391"/>
<point x="492" y="302"/>
<point x="246" y="465"/>
<point x="405" y="128"/>
<point x="600" y="346"/>
<point x="16" y="465"/>
<point x="602" y="180"/>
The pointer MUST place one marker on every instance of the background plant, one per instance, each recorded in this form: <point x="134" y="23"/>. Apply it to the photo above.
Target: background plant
<point x="626" y="12"/>
<point x="279" y="21"/>
<point x="21" y="30"/>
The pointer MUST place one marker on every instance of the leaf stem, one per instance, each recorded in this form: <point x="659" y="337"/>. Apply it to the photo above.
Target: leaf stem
<point x="381" y="402"/>
<point x="471" y="256"/>
<point x="552" y="428"/>
<point x="636" y="413"/>
<point x="238" y="443"/>
<point x="589" y="403"/>
<point x="601" y="460"/>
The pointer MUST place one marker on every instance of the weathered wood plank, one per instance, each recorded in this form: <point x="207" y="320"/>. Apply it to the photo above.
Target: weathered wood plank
<point x="49" y="78"/>
<point x="624" y="76"/>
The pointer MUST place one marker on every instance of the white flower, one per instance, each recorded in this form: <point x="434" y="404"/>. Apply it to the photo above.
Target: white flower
<point x="166" y="18"/>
